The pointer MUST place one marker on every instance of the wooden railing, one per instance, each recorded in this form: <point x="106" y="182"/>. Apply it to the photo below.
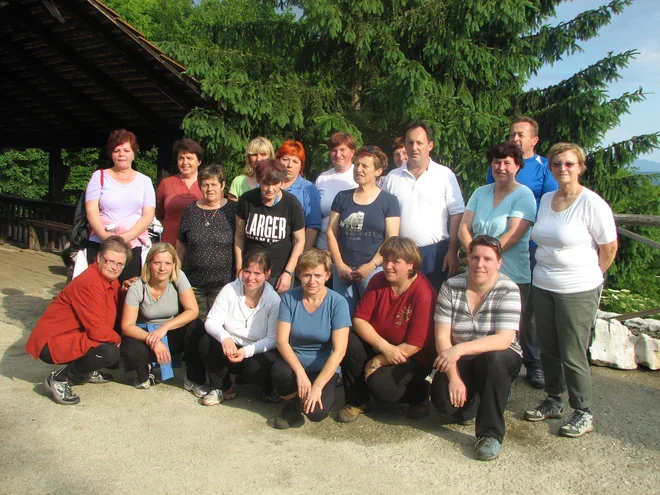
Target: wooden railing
<point x="39" y="224"/>
<point x="638" y="221"/>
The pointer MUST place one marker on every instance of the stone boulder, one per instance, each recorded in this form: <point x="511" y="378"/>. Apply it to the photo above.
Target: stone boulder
<point x="647" y="352"/>
<point x="613" y="345"/>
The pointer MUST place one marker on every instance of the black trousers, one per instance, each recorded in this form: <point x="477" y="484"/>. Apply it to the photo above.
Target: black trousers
<point x="255" y="370"/>
<point x="488" y="379"/>
<point x="285" y="383"/>
<point x="132" y="269"/>
<point x="529" y="341"/>
<point x="99" y="357"/>
<point x="405" y="382"/>
<point x="137" y="354"/>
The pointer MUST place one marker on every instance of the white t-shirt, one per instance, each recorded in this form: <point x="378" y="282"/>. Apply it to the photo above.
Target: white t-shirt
<point x="329" y="183"/>
<point x="426" y="203"/>
<point x="567" y="253"/>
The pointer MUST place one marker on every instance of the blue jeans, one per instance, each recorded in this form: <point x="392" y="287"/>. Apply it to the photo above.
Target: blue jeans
<point x="351" y="290"/>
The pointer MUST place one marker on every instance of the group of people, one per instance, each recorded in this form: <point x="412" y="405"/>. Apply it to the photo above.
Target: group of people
<point x="239" y="284"/>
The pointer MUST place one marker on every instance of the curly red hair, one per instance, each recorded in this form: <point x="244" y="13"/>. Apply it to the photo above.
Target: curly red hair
<point x="119" y="137"/>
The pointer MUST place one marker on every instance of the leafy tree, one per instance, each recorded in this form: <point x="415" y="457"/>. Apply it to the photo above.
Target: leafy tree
<point x="24" y="173"/>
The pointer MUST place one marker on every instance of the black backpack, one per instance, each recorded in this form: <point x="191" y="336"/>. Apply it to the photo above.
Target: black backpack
<point x="79" y="233"/>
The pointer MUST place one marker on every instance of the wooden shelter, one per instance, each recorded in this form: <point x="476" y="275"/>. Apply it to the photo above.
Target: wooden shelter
<point x="72" y="70"/>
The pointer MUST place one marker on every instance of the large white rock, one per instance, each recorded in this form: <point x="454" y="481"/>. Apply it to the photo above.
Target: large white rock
<point x="647" y="352"/>
<point x="646" y="325"/>
<point x="613" y="345"/>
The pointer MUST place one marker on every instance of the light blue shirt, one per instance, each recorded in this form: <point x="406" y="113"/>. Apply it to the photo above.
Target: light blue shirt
<point x="309" y="199"/>
<point x="495" y="222"/>
<point x="311" y="333"/>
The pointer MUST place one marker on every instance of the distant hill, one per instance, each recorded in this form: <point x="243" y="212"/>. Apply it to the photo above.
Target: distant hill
<point x="648" y="167"/>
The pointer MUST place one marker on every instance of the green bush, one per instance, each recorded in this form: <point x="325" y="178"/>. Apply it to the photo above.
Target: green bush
<point x="624" y="301"/>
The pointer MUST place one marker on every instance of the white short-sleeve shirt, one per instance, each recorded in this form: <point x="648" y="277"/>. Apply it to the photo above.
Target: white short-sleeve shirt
<point x="567" y="253"/>
<point x="427" y="202"/>
<point x="329" y="184"/>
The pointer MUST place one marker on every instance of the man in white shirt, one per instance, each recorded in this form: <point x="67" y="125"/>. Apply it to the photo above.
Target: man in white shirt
<point x="431" y="205"/>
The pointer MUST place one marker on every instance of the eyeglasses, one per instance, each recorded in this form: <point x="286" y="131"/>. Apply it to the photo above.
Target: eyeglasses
<point x="487" y="240"/>
<point x="113" y="264"/>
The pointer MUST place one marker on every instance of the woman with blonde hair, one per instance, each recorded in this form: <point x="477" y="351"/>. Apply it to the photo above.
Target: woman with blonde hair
<point x="159" y="321"/>
<point x="258" y="149"/>
<point x="312" y="334"/>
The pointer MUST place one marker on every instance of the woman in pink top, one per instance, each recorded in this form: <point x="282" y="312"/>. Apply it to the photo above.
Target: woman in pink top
<point x="120" y="201"/>
<point x="178" y="191"/>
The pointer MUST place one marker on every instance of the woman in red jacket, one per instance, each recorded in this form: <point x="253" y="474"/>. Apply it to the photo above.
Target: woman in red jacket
<point x="77" y="328"/>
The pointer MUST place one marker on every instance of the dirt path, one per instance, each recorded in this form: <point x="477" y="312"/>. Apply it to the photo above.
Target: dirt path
<point x="122" y="440"/>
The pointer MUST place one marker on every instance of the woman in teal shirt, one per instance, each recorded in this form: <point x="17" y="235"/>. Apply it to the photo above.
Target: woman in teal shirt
<point x="505" y="210"/>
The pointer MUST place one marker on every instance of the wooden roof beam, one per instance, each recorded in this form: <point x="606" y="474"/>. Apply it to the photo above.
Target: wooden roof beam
<point x="83" y="65"/>
<point x="52" y="77"/>
<point x="94" y="26"/>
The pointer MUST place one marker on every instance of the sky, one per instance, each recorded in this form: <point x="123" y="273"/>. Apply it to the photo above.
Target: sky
<point x="638" y="27"/>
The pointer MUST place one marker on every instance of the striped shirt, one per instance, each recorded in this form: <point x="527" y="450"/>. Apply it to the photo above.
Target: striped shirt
<point x="500" y="310"/>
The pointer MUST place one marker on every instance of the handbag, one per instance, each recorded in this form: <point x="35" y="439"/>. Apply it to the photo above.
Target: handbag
<point x="79" y="233"/>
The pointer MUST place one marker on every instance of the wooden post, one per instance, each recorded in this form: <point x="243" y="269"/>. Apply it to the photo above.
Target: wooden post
<point x="58" y="174"/>
<point x="164" y="159"/>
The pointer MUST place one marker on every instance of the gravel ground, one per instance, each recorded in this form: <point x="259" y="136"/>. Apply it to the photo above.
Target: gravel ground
<point x="123" y="440"/>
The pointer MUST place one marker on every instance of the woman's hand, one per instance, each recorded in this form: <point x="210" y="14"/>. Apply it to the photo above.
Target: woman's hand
<point x="393" y="354"/>
<point x="313" y="398"/>
<point x="457" y="392"/>
<point x="448" y="358"/>
<point x="127" y="237"/>
<point x="238" y="357"/>
<point x="162" y="354"/>
<point x="345" y="272"/>
<point x="363" y="271"/>
<point x="283" y="283"/>
<point x="304" y="385"/>
<point x="229" y="348"/>
<point x="370" y="368"/>
<point x="128" y="283"/>
<point x="156" y="336"/>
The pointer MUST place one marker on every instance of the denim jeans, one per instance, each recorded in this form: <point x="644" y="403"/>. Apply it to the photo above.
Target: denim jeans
<point x="351" y="290"/>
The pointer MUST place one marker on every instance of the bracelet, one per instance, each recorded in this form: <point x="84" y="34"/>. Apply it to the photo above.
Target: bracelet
<point x="373" y="365"/>
<point x="375" y="264"/>
<point x="289" y="273"/>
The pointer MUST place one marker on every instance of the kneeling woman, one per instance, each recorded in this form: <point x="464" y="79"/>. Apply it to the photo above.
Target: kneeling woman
<point x="77" y="328"/>
<point x="390" y="351"/>
<point x="153" y="327"/>
<point x="476" y="336"/>
<point x="312" y="335"/>
<point x="241" y="330"/>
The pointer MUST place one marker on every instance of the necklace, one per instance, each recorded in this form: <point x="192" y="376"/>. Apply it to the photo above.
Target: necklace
<point x="207" y="221"/>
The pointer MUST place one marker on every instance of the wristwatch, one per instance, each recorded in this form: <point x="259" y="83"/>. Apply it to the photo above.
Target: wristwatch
<point x="373" y="365"/>
<point x="290" y="273"/>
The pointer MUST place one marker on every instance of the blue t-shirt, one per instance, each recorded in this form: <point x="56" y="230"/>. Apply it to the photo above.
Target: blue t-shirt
<point x="494" y="222"/>
<point x="309" y="199"/>
<point x="362" y="227"/>
<point x="311" y="333"/>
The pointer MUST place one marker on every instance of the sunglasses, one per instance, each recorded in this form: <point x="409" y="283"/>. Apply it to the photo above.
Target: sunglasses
<point x="487" y="240"/>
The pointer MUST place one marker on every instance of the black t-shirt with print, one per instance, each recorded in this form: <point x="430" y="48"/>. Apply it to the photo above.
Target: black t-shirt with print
<point x="271" y="228"/>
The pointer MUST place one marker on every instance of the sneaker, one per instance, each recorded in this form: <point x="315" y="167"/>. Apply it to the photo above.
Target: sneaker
<point x="272" y="397"/>
<point x="418" y="411"/>
<point x="217" y="396"/>
<point x="61" y="392"/>
<point x="291" y="415"/>
<point x="467" y="422"/>
<point x="194" y="388"/>
<point x="145" y="385"/>
<point x="536" y="378"/>
<point x="580" y="423"/>
<point x="348" y="414"/>
<point x="549" y="408"/>
<point x="98" y="377"/>
<point x="488" y="448"/>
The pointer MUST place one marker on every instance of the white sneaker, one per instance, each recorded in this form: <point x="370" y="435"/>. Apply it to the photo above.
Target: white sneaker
<point x="194" y="388"/>
<point x="145" y="385"/>
<point x="215" y="397"/>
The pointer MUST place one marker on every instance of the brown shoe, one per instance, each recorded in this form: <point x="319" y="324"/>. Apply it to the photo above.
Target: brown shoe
<point x="418" y="411"/>
<point x="291" y="415"/>
<point x="348" y="414"/>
